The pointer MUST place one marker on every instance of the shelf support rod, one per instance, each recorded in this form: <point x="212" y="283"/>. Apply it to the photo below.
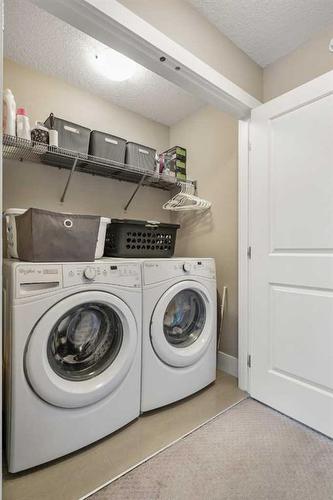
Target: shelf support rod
<point x="134" y="192"/>
<point x="62" y="199"/>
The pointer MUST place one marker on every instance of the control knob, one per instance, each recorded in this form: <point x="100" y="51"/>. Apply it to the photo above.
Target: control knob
<point x="186" y="267"/>
<point x="89" y="273"/>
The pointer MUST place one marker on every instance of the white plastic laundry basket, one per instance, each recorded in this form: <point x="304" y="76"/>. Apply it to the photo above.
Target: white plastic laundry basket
<point x="104" y="221"/>
<point x="10" y="215"/>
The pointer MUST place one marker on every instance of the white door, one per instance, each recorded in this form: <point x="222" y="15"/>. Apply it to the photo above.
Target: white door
<point x="291" y="271"/>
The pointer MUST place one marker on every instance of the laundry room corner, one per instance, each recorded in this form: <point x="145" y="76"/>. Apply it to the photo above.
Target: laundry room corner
<point x="116" y="252"/>
<point x="166" y="265"/>
<point x="215" y="232"/>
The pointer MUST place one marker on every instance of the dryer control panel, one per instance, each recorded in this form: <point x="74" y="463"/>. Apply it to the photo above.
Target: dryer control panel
<point x="122" y="274"/>
<point x="156" y="271"/>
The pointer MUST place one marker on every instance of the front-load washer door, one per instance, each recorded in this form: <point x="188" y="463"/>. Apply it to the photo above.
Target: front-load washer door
<point x="181" y="324"/>
<point x="81" y="350"/>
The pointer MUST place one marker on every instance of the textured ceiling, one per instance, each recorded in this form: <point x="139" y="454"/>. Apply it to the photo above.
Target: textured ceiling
<point x="267" y="29"/>
<point x="38" y="40"/>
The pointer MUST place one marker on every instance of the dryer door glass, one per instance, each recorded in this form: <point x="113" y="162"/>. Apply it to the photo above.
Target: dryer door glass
<point x="184" y="318"/>
<point x="85" y="341"/>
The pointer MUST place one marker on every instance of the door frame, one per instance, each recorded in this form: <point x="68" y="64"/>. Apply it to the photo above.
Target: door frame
<point x="1" y="221"/>
<point x="244" y="253"/>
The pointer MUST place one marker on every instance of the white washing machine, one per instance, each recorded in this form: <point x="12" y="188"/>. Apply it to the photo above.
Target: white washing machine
<point x="72" y="355"/>
<point x="178" y="329"/>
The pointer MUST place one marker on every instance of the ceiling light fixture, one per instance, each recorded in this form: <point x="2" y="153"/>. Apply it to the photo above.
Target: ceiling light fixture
<point x="113" y="65"/>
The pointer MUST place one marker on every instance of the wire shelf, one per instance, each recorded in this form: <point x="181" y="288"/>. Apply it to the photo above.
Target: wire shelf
<point x="16" y="148"/>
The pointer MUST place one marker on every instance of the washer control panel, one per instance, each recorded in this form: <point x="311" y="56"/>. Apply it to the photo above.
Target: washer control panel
<point x="127" y="274"/>
<point x="156" y="271"/>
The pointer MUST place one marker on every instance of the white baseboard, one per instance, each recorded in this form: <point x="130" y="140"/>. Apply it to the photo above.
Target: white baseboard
<point x="227" y="363"/>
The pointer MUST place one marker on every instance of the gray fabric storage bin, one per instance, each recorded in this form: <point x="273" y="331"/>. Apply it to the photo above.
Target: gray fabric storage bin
<point x="107" y="146"/>
<point x="70" y="135"/>
<point x="44" y="236"/>
<point x="138" y="155"/>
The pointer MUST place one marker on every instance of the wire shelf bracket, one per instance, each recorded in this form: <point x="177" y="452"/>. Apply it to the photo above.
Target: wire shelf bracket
<point x="62" y="199"/>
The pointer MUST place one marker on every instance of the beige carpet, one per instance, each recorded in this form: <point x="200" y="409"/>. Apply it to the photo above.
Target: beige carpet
<point x="248" y="453"/>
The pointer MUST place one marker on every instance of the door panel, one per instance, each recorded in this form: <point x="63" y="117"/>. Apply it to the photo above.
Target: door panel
<point x="301" y="178"/>
<point x="291" y="273"/>
<point x="296" y="313"/>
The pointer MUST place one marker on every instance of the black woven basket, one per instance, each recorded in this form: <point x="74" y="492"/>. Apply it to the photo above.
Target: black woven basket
<point x="140" y="239"/>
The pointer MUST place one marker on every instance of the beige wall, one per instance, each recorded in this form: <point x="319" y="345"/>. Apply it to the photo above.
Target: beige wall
<point x="28" y="184"/>
<point x="211" y="140"/>
<point x="182" y="23"/>
<point x="210" y="137"/>
<point x="302" y="65"/>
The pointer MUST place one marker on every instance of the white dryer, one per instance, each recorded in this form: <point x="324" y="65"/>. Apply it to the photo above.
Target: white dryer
<point x="178" y="329"/>
<point x="72" y="356"/>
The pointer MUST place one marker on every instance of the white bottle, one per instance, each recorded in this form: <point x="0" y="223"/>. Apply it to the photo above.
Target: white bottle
<point x="53" y="137"/>
<point x="22" y="124"/>
<point x="9" y="113"/>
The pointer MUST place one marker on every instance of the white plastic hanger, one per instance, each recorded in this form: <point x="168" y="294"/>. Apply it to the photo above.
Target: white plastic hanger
<point x="186" y="199"/>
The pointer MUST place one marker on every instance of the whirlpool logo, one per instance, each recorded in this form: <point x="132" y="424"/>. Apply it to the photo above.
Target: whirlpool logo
<point x="30" y="270"/>
<point x="26" y="271"/>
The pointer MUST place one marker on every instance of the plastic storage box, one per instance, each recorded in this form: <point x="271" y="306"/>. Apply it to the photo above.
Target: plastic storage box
<point x="176" y="161"/>
<point x="140" y="156"/>
<point x="70" y="135"/>
<point x="140" y="238"/>
<point x="12" y="213"/>
<point x="107" y="146"/>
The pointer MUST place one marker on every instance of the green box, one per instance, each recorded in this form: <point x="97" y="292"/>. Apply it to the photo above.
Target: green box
<point x="177" y="161"/>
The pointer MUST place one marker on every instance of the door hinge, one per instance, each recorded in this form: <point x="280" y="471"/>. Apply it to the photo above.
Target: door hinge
<point x="249" y="360"/>
<point x="249" y="252"/>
